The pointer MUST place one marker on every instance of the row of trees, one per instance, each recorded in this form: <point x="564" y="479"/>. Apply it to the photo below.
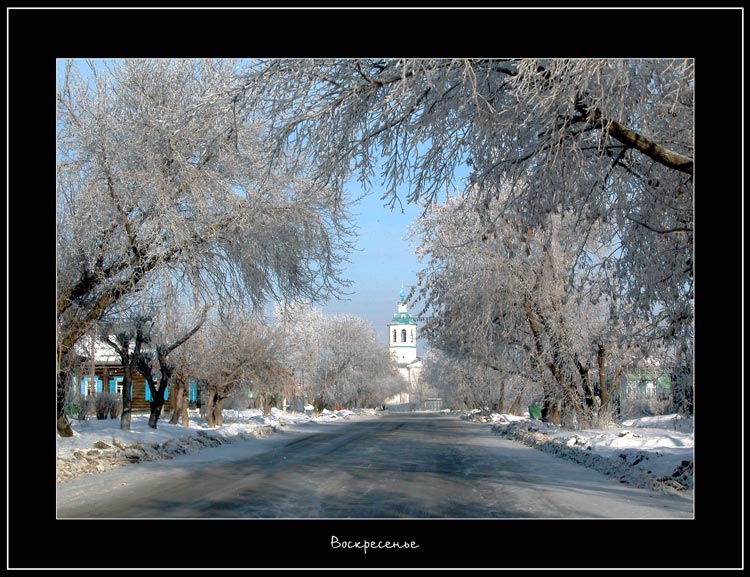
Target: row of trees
<point x="339" y="356"/>
<point x="224" y="182"/>
<point x="506" y="304"/>
<point x="566" y="254"/>
<point x="161" y="188"/>
<point x="304" y="357"/>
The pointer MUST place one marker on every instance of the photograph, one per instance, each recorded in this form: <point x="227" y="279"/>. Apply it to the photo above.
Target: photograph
<point x="346" y="305"/>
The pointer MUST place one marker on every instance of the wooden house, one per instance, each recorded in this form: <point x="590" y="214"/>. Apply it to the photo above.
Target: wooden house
<point x="103" y="372"/>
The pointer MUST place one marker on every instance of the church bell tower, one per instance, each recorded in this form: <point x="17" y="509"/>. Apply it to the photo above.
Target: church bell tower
<point x="402" y="334"/>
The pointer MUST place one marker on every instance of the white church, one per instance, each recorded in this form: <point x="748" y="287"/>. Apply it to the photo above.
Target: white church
<point x="402" y="334"/>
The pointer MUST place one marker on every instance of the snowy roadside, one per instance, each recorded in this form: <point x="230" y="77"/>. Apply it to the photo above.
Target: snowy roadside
<point x="98" y="446"/>
<point x="650" y="452"/>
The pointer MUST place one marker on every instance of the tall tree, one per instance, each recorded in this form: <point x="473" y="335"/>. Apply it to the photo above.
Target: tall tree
<point x="354" y="370"/>
<point x="233" y="355"/>
<point x="158" y="358"/>
<point x="158" y="167"/>
<point x="498" y="296"/>
<point x="609" y="141"/>
<point x="301" y="327"/>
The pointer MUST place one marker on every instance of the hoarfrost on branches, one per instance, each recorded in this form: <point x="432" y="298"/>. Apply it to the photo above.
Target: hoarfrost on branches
<point x="608" y="141"/>
<point x="159" y="169"/>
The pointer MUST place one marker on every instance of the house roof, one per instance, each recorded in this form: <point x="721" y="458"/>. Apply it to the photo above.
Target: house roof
<point x="103" y="353"/>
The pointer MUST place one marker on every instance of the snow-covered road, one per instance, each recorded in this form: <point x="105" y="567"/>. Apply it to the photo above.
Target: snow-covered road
<point x="396" y="466"/>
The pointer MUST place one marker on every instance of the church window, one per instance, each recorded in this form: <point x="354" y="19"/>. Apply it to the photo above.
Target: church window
<point x="403" y="335"/>
<point x="412" y="336"/>
<point x="394" y="335"/>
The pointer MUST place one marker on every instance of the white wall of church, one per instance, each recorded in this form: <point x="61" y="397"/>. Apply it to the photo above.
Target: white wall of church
<point x="402" y="344"/>
<point x="404" y="354"/>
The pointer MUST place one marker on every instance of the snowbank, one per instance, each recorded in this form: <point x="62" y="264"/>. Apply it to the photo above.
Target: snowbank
<point x="652" y="452"/>
<point x="97" y="446"/>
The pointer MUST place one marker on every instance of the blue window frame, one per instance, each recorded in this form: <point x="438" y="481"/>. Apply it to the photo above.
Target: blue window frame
<point x="115" y="383"/>
<point x="86" y="389"/>
<point x="148" y="393"/>
<point x="192" y="392"/>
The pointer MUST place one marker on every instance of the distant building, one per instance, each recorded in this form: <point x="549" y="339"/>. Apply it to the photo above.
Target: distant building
<point x="402" y="337"/>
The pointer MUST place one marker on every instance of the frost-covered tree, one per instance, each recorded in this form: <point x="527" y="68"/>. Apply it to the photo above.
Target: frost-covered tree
<point x="231" y="355"/>
<point x="159" y="167"/>
<point x="127" y="338"/>
<point x="607" y="141"/>
<point x="497" y="295"/>
<point x="166" y="337"/>
<point x="301" y="326"/>
<point x="337" y="360"/>
<point x="354" y="369"/>
<point x="465" y="384"/>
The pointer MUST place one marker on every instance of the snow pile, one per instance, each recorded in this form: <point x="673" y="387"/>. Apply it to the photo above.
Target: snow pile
<point x="483" y="416"/>
<point x="100" y="445"/>
<point x="652" y="452"/>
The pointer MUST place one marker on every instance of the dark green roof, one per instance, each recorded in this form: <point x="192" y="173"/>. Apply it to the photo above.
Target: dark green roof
<point x="407" y="320"/>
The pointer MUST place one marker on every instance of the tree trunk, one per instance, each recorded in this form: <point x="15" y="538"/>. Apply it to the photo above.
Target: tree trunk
<point x="210" y="400"/>
<point x="156" y="408"/>
<point x="516" y="404"/>
<point x="180" y="402"/>
<point x="127" y="396"/>
<point x="157" y="400"/>
<point x="318" y="405"/>
<point x="611" y="390"/>
<point x="63" y="427"/>
<point x="602" y="377"/>
<point x="184" y="412"/>
<point x="219" y="411"/>
<point x="269" y="400"/>
<point x="177" y="401"/>
<point x="551" y="410"/>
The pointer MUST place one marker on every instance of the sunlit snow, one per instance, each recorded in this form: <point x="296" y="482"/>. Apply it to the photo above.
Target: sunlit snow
<point x="638" y="451"/>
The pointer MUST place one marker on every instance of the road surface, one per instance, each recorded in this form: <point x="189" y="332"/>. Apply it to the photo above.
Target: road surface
<point x="402" y="465"/>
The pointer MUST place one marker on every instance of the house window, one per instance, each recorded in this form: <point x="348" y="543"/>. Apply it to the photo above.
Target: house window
<point x="91" y="387"/>
<point x="115" y="385"/>
<point x="403" y="335"/>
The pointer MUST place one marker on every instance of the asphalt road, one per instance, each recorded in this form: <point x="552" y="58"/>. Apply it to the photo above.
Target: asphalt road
<point x="396" y="466"/>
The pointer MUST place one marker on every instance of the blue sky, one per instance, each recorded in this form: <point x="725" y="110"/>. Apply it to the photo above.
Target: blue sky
<point x="385" y="258"/>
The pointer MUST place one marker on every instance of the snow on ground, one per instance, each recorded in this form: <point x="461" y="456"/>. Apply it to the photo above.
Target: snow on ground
<point x="654" y="452"/>
<point x="99" y="445"/>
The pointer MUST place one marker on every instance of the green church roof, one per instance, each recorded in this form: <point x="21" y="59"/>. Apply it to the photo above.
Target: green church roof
<point x="406" y="320"/>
